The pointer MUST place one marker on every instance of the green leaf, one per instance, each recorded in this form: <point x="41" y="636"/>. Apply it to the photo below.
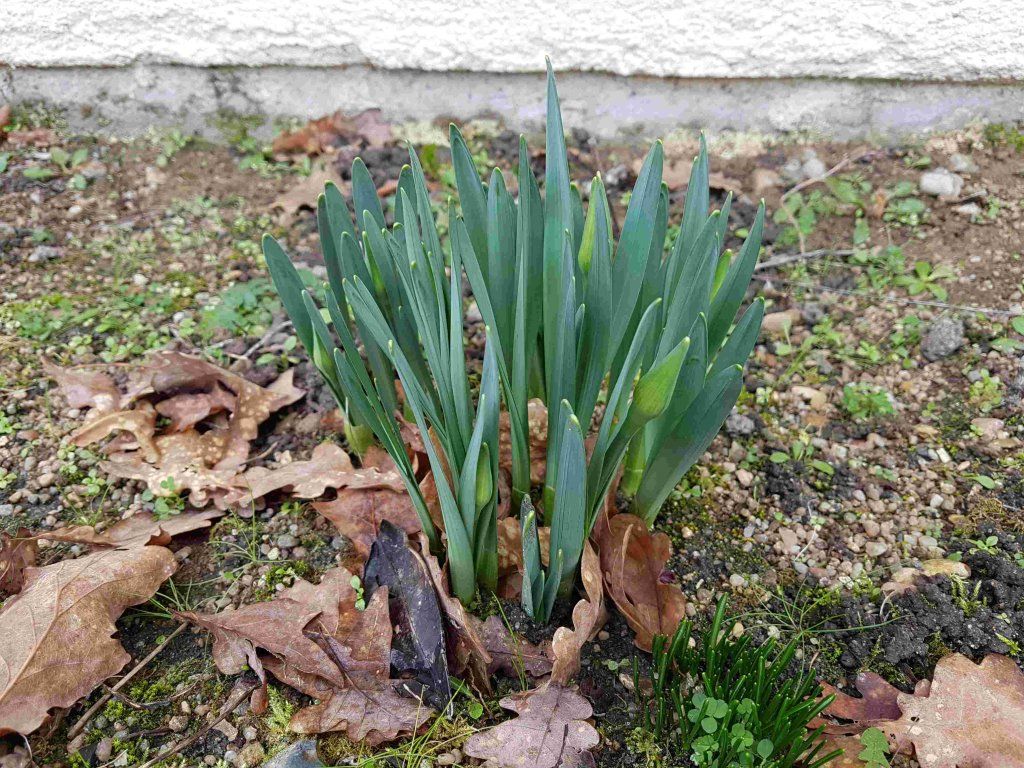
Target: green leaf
<point x="876" y="748"/>
<point x="38" y="173"/>
<point x="778" y="457"/>
<point x="1017" y="324"/>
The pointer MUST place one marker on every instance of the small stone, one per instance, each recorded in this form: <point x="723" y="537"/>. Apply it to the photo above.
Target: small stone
<point x="104" y="748"/>
<point x="812" y="166"/>
<point x="178" y="723"/>
<point x="871" y="528"/>
<point x="876" y="548"/>
<point x="927" y="542"/>
<point x="740" y="425"/>
<point x="446" y="758"/>
<point x="960" y="163"/>
<point x="777" y="322"/>
<point x="944" y="337"/>
<point x="46" y="479"/>
<point x="473" y="314"/>
<point x="43" y="253"/>
<point x="249" y="733"/>
<point x="943" y="567"/>
<point x="286" y="541"/>
<point x="252" y="754"/>
<point x="941" y="183"/>
<point x="744" y="477"/>
<point x="763" y="180"/>
<point x="968" y="209"/>
<point x="736" y="580"/>
<point x="230" y="756"/>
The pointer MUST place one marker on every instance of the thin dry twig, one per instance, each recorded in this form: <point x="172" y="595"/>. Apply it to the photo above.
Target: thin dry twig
<point x="869" y="295"/>
<point x="789" y="258"/>
<point x="78" y="726"/>
<point x="847" y="159"/>
<point x="227" y="709"/>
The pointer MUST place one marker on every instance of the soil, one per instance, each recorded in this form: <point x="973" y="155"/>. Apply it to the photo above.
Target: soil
<point x="799" y="514"/>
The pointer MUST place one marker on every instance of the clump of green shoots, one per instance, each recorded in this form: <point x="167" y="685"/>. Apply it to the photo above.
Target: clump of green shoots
<point x="571" y="317"/>
<point x="724" y="703"/>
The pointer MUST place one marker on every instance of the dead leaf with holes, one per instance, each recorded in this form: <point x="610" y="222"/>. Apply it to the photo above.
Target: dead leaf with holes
<point x="588" y="616"/>
<point x="633" y="568"/>
<point x="57" y="635"/>
<point x="551" y="729"/>
<point x="213" y="417"/>
<point x="139" y="530"/>
<point x="85" y="387"/>
<point x="328" y="467"/>
<point x="17" y="552"/>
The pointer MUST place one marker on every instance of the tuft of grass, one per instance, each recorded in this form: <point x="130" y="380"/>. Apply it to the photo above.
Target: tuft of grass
<point x="720" y="701"/>
<point x="866" y="402"/>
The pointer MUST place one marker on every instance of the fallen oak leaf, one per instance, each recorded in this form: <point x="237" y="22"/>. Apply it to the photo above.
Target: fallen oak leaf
<point x="510" y="653"/>
<point x="85" y="387"/>
<point x="365" y="716"/>
<point x="328" y="467"/>
<point x="277" y="628"/>
<point x="17" y="553"/>
<point x="186" y="410"/>
<point x="972" y="717"/>
<point x="878" y="700"/>
<point x="357" y="512"/>
<point x="588" y="616"/>
<point x="304" y="194"/>
<point x="139" y="422"/>
<point x="551" y="730"/>
<point x="632" y="563"/>
<point x="56" y="635"/>
<point x="139" y="530"/>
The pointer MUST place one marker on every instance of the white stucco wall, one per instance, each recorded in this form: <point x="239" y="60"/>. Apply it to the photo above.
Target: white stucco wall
<point x="933" y="40"/>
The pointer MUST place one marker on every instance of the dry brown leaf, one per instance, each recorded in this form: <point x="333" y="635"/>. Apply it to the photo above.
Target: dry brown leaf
<point x="140" y="423"/>
<point x="877" y="701"/>
<point x="35" y="137"/>
<point x="139" y="530"/>
<point x="470" y="653"/>
<point x="277" y="627"/>
<point x="357" y="514"/>
<point x="85" y="387"/>
<point x="537" y="438"/>
<point x="56" y="636"/>
<point x="551" y="730"/>
<point x="186" y="410"/>
<point x="17" y="553"/>
<point x="510" y="653"/>
<point x="328" y="467"/>
<point x="313" y="638"/>
<point x="972" y="717"/>
<point x="365" y="716"/>
<point x="588" y="616"/>
<point x="367" y="128"/>
<point x="632" y="563"/>
<point x="304" y="194"/>
<point x="188" y="391"/>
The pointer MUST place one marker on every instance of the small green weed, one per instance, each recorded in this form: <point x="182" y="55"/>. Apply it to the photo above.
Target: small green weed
<point x="865" y="402"/>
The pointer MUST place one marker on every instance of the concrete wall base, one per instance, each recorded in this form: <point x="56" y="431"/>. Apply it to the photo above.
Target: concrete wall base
<point x="128" y="100"/>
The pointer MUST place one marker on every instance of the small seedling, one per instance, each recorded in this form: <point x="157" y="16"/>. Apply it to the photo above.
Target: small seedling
<point x="876" y="748"/>
<point x="865" y="402"/>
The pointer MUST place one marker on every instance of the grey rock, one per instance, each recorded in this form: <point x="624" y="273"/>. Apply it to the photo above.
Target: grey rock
<point x="301" y="754"/>
<point x="962" y="164"/>
<point x="43" y="253"/>
<point x="812" y="166"/>
<point x="286" y="541"/>
<point x="941" y="183"/>
<point x="740" y="425"/>
<point x="944" y="337"/>
<point x="969" y="209"/>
